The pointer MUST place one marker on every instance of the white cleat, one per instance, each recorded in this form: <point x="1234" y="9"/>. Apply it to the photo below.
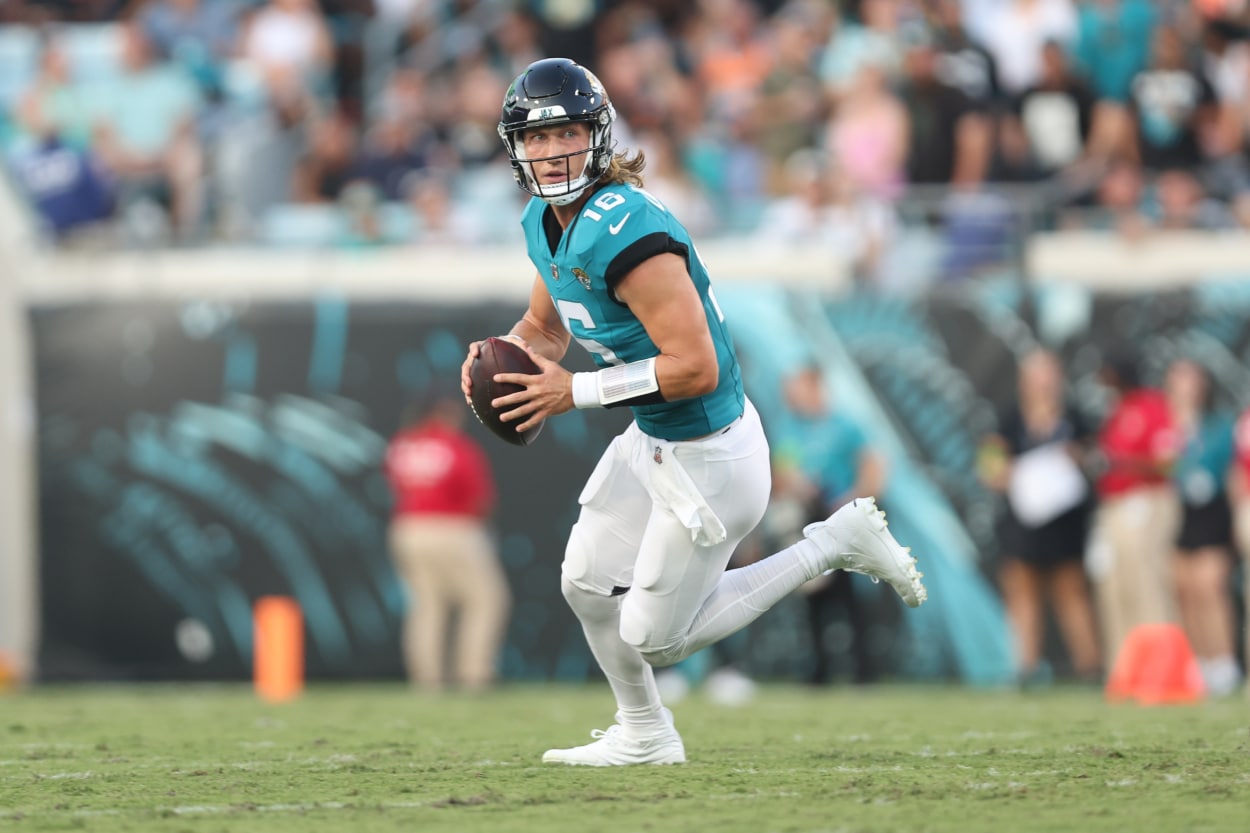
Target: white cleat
<point x="856" y="539"/>
<point x="613" y="747"/>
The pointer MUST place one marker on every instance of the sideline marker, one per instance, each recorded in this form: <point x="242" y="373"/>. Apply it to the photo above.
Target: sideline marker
<point x="277" y="648"/>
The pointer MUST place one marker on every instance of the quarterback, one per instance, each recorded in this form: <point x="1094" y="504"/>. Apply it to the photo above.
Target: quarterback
<point x="675" y="493"/>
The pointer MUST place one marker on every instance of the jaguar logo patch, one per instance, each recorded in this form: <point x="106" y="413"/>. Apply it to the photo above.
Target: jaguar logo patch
<point x="582" y="277"/>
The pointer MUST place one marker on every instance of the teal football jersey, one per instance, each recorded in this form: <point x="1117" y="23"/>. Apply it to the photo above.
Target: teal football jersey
<point x="617" y="229"/>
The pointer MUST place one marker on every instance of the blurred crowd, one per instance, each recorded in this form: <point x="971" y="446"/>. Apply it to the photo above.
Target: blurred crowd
<point x="844" y="122"/>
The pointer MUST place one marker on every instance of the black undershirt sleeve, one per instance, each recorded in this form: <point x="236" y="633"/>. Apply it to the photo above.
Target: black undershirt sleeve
<point x="648" y="246"/>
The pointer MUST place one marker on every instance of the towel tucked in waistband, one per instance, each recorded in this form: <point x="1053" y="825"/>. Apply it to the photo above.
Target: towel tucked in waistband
<point x="670" y="485"/>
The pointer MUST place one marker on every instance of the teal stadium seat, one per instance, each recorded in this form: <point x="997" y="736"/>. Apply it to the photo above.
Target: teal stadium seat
<point x="290" y="225"/>
<point x="94" y="50"/>
<point x="397" y="222"/>
<point x="19" y="62"/>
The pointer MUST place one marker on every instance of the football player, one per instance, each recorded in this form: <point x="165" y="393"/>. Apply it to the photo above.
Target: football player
<point x="674" y="494"/>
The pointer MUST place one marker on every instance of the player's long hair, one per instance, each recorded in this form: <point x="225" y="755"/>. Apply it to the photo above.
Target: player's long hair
<point x="625" y="169"/>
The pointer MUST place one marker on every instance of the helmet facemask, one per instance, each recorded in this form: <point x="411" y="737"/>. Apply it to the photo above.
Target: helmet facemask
<point x="593" y="160"/>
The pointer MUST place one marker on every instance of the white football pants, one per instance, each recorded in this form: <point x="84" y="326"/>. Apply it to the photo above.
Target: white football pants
<point x="666" y="533"/>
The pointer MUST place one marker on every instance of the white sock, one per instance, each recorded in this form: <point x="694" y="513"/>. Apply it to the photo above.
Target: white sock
<point x="632" y="680"/>
<point x="744" y="593"/>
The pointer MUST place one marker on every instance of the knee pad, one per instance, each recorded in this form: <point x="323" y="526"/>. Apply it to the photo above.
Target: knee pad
<point x="587" y="604"/>
<point x="576" y="565"/>
<point x="638" y="631"/>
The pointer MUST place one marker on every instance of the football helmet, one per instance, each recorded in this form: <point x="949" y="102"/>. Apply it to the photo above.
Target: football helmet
<point x="558" y="91"/>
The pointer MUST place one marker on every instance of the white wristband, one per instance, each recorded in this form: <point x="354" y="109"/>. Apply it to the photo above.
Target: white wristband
<point x="615" y="385"/>
<point x="627" y="381"/>
<point x="586" y="390"/>
<point x="513" y="337"/>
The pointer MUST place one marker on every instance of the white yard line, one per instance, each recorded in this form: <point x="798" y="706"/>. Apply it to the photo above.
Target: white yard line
<point x="224" y="809"/>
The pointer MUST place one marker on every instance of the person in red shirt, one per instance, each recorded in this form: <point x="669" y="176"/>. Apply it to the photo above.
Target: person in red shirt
<point x="1131" y="543"/>
<point x="444" y="492"/>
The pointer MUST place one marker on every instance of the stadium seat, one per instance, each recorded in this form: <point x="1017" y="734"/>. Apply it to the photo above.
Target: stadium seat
<point x="292" y="225"/>
<point x="94" y="50"/>
<point x="19" y="62"/>
<point x="398" y="225"/>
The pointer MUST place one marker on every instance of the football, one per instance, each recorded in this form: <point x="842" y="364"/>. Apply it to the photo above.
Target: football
<point x="499" y="355"/>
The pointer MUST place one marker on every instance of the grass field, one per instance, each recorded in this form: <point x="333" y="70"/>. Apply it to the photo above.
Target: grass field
<point x="379" y="758"/>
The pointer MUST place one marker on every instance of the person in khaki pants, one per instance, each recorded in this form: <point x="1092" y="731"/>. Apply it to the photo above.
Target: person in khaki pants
<point x="444" y="492"/>
<point x="1128" y="554"/>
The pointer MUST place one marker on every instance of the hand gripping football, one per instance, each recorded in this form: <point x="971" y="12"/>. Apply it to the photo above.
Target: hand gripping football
<point x="499" y="355"/>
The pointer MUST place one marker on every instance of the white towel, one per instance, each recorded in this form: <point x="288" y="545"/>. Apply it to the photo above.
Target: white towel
<point x="671" y="486"/>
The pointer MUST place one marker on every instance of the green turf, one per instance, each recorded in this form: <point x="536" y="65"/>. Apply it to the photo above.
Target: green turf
<point x="379" y="758"/>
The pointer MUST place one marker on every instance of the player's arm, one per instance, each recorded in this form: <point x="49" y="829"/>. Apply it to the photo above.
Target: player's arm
<point x="661" y="294"/>
<point x="541" y="327"/>
<point x="540" y="330"/>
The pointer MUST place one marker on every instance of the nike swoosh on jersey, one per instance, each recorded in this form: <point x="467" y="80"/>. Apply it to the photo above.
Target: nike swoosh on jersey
<point x="616" y="228"/>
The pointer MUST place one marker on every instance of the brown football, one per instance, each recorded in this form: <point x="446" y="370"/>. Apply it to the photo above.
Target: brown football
<point x="499" y="355"/>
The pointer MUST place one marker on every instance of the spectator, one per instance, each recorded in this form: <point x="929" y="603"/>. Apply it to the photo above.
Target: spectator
<point x="790" y="103"/>
<point x="1113" y="44"/>
<point x="394" y="153"/>
<point x="567" y="28"/>
<point x="671" y="183"/>
<point x="66" y="187"/>
<point x="438" y="218"/>
<point x="198" y="34"/>
<point x="1034" y="459"/>
<point x="144" y="133"/>
<point x="1016" y="32"/>
<point x="1177" y="202"/>
<point x="347" y="22"/>
<point x="287" y="44"/>
<point x="730" y="166"/>
<point x="1118" y="202"/>
<point x="1173" y="106"/>
<point x="823" y="209"/>
<point x="870" y="35"/>
<point x="444" y="492"/>
<point x="1054" y="116"/>
<point x="54" y="165"/>
<point x="861" y="228"/>
<point x="867" y="137"/>
<point x="53" y="105"/>
<point x="1136" y="520"/>
<point x="733" y="57"/>
<point x="1112" y="47"/>
<point x="1203" y="558"/>
<point x="949" y="138"/>
<point x="640" y="102"/>
<point x="329" y="163"/>
<point x="823" y="462"/>
<point x="477" y="90"/>
<point x="1226" y="62"/>
<point x="516" y="36"/>
<point x="962" y="61"/>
